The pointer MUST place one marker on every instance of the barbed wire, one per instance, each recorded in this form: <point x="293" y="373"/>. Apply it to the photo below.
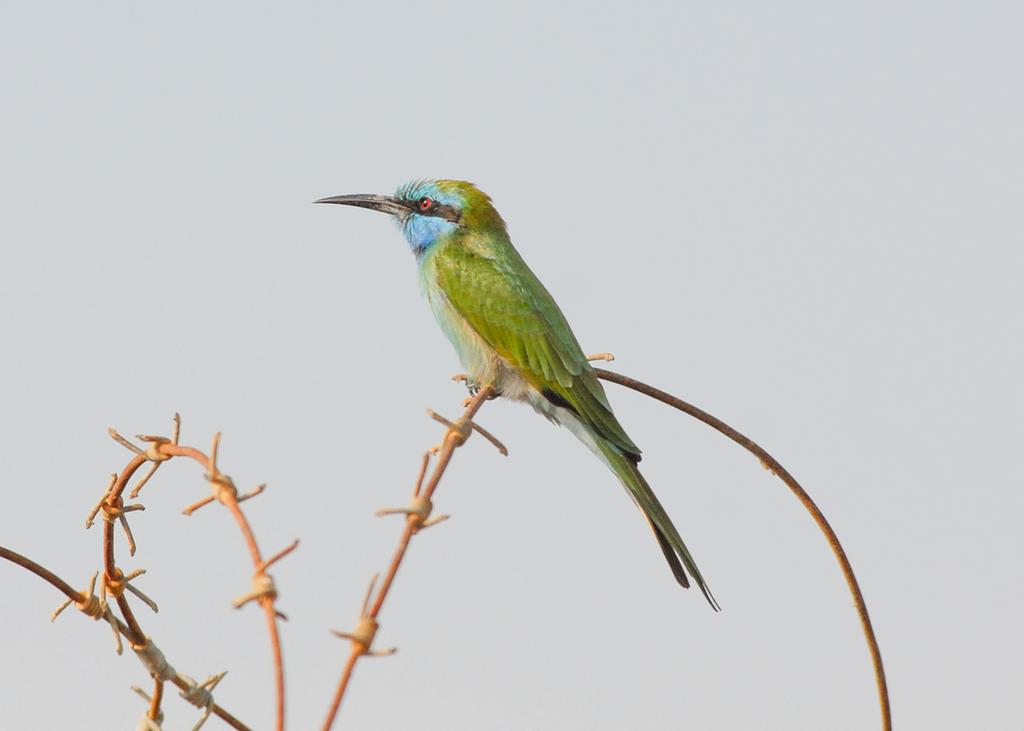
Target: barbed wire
<point x="114" y="582"/>
<point x="87" y="602"/>
<point x="417" y="517"/>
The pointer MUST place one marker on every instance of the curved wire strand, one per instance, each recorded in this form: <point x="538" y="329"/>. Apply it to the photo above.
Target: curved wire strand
<point x="819" y="518"/>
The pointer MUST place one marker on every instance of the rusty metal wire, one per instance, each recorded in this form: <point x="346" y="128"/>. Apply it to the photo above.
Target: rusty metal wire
<point x="771" y="464"/>
<point x="86" y="599"/>
<point x="116" y="585"/>
<point x="419" y="514"/>
<point x="161" y="449"/>
<point x="417" y="517"/>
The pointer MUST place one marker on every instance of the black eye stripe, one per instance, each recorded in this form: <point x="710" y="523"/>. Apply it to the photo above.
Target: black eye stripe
<point x="446" y="212"/>
<point x="427" y="206"/>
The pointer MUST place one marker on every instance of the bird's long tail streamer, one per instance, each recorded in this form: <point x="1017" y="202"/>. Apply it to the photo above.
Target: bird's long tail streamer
<point x="668" y="537"/>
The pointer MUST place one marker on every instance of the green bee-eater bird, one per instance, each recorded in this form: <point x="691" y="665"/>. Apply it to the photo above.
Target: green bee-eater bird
<point x="510" y="334"/>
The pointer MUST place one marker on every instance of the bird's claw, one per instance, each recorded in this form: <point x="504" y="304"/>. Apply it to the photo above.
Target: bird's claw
<point x="472" y="386"/>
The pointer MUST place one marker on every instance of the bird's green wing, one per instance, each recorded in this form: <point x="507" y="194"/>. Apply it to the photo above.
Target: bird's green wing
<point x="505" y="303"/>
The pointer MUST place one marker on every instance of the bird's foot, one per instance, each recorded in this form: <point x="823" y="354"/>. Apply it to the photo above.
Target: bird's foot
<point x="469" y="399"/>
<point x="472" y="386"/>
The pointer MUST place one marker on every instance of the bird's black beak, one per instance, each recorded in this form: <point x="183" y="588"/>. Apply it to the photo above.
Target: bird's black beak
<point x="382" y="203"/>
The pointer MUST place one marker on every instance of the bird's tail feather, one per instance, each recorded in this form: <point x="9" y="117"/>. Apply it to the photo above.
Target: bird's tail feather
<point x="676" y="552"/>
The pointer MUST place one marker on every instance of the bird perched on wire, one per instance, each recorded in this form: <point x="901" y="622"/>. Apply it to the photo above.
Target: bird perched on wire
<point x="510" y="334"/>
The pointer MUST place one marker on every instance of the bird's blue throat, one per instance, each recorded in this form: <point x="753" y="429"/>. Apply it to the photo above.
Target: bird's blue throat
<point x="422" y="232"/>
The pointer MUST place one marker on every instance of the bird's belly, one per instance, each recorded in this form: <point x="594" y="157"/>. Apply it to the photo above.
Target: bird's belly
<point x="483" y="364"/>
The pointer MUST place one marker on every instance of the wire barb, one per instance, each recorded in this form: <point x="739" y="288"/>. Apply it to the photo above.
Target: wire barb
<point x="96" y="607"/>
<point x="89" y="604"/>
<point x="462" y="428"/>
<point x="366" y="628"/>
<point x="142" y="597"/>
<point x="224" y="490"/>
<point x="117" y="584"/>
<point x="91" y="517"/>
<point x="153" y="453"/>
<point x="153" y="717"/>
<point x="490" y="437"/>
<point x="262" y="588"/>
<point x="115" y="509"/>
<point x="145" y="478"/>
<point x="418" y="512"/>
<point x="267" y="563"/>
<point x="200" y="695"/>
<point x="258" y="490"/>
<point x="122" y="441"/>
<point x="422" y="473"/>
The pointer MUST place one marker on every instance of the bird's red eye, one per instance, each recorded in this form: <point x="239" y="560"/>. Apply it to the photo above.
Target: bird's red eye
<point x="426" y="203"/>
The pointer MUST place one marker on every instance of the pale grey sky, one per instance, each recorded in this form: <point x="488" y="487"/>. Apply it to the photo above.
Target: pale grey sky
<point x="804" y="217"/>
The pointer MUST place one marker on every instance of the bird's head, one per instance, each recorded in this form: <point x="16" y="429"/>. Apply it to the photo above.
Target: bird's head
<point x="429" y="211"/>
